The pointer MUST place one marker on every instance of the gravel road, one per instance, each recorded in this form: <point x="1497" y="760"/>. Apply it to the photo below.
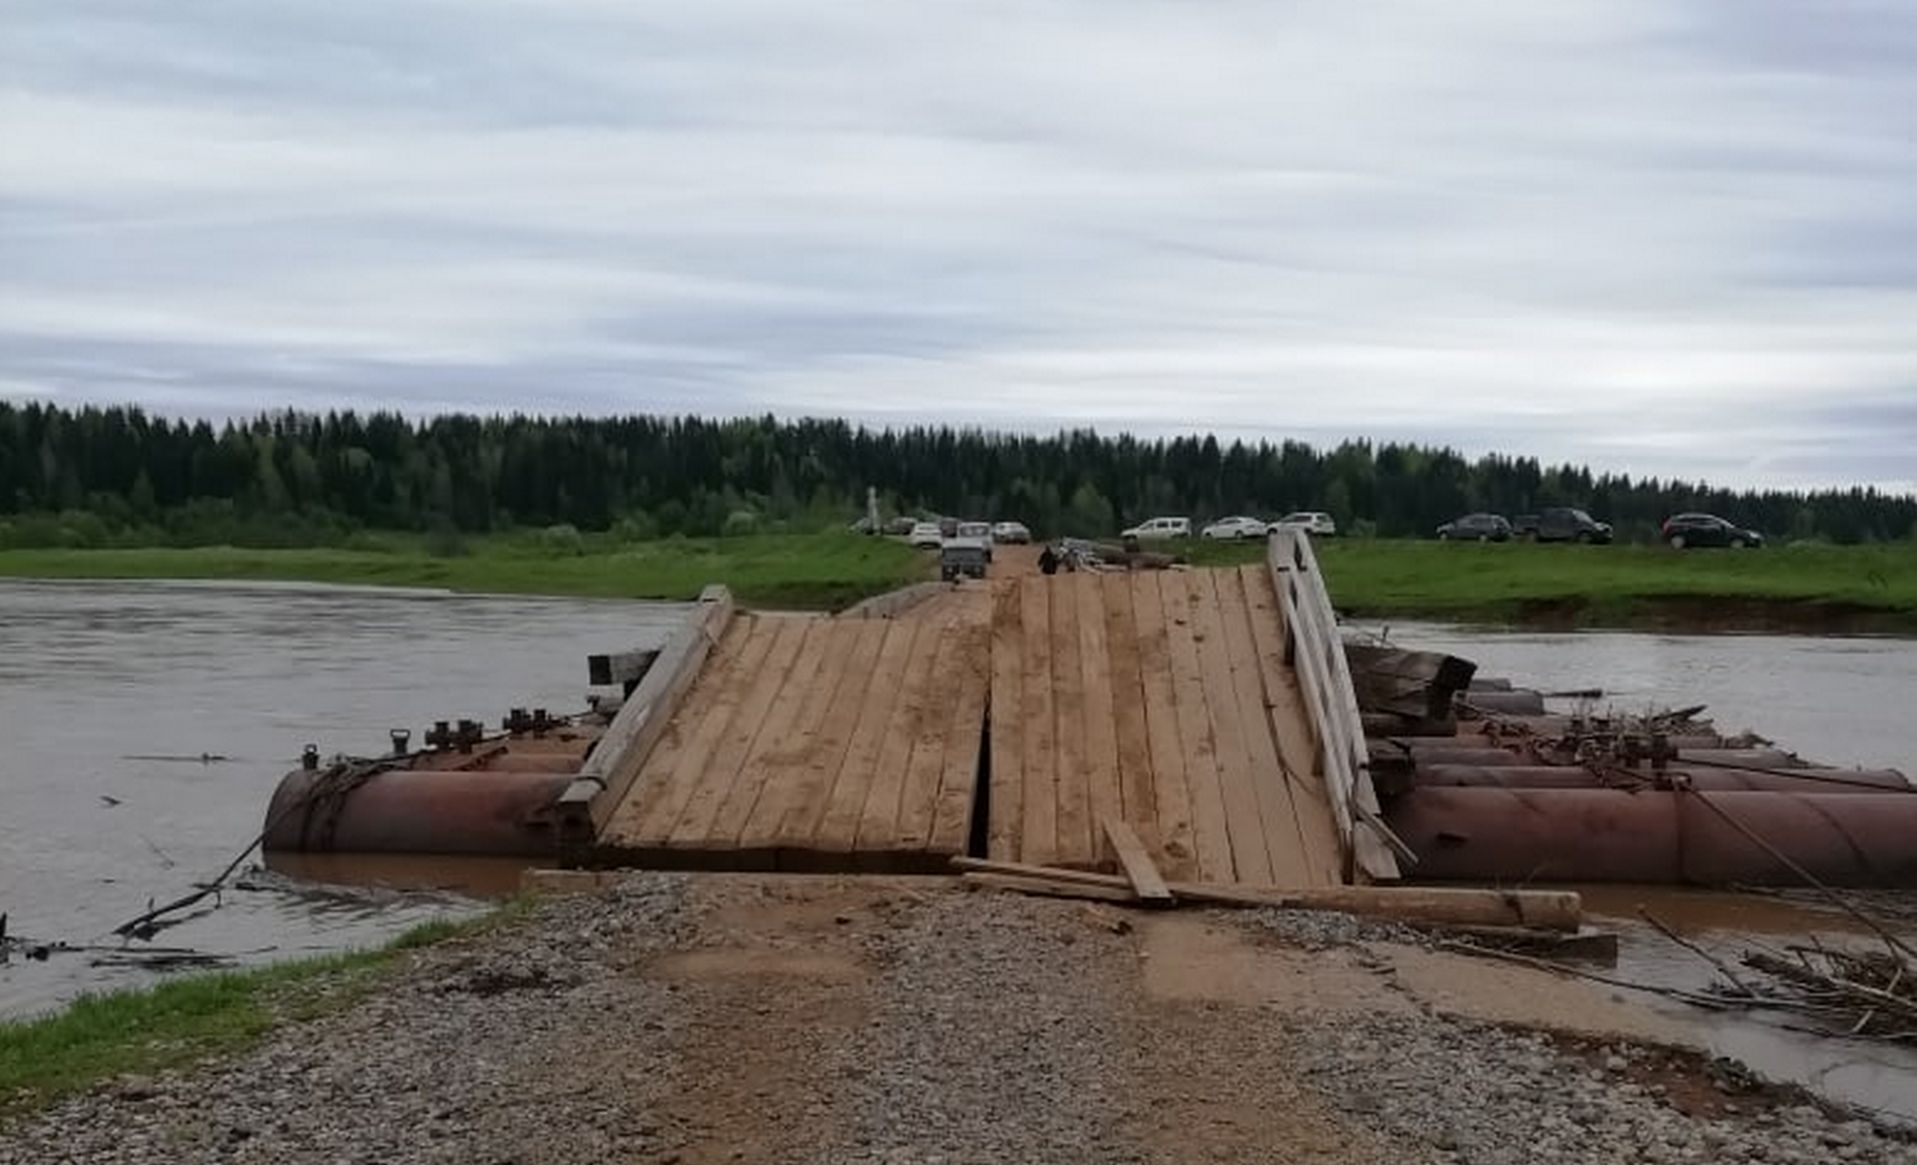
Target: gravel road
<point x="863" y="1020"/>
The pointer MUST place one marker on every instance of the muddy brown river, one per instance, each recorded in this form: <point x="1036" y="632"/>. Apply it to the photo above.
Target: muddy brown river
<point x="143" y="726"/>
<point x="146" y="724"/>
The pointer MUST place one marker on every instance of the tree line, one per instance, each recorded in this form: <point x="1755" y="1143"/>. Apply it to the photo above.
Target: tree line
<point x="119" y="476"/>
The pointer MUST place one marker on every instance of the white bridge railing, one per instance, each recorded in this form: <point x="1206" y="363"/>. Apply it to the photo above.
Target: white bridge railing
<point x="1316" y="653"/>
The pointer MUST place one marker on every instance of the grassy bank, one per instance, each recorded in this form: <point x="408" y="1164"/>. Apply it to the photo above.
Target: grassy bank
<point x="812" y="571"/>
<point x="186" y="1020"/>
<point x="1804" y="587"/>
<point x="1801" y="587"/>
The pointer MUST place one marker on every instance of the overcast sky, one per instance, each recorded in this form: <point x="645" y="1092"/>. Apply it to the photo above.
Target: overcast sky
<point x="1660" y="237"/>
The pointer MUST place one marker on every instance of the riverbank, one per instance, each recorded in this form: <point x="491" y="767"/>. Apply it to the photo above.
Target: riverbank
<point x="1808" y="589"/>
<point x="726" y="1018"/>
<point x="820" y="571"/>
<point x="178" y="1024"/>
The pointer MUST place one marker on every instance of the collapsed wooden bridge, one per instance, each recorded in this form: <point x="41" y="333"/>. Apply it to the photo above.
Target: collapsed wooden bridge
<point x="1208" y="710"/>
<point x="1199" y="725"/>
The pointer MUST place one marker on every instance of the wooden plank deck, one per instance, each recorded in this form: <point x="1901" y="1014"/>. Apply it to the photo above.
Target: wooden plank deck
<point x="812" y="743"/>
<point x="1161" y="701"/>
<point x="1062" y="709"/>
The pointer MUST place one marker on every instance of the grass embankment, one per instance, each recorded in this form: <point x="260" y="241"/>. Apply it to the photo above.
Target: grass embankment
<point x="824" y="571"/>
<point x="1801" y="587"/>
<point x="190" y="1019"/>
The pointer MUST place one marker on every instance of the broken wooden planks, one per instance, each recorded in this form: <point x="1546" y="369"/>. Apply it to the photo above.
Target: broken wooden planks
<point x="1560" y="910"/>
<point x="1146" y="882"/>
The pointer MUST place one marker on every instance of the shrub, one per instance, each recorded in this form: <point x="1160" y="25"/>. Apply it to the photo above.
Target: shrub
<point x="561" y="539"/>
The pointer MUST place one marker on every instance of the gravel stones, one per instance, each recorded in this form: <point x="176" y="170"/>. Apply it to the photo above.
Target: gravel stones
<point x="675" y="1019"/>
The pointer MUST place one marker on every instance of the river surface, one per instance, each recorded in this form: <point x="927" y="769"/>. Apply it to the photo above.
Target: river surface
<point x="111" y="695"/>
<point x="1837" y="700"/>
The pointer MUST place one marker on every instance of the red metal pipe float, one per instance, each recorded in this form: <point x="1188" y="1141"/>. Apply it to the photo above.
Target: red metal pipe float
<point x="1516" y="702"/>
<point x="1466" y="755"/>
<point x="1608" y="835"/>
<point x="1754" y="758"/>
<point x="418" y="811"/>
<point x="1719" y="780"/>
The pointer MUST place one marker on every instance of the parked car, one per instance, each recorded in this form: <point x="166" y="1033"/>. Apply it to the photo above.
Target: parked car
<point x="1476" y="527"/>
<point x="964" y="558"/>
<point x="925" y="535"/>
<point x="1238" y="527"/>
<point x="1011" y="533"/>
<point x="1316" y="523"/>
<point x="898" y="527"/>
<point x="1561" y="524"/>
<point x="1158" y="529"/>
<point x="1686" y="530"/>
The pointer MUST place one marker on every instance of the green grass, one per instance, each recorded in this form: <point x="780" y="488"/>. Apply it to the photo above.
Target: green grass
<point x="824" y="571"/>
<point x="1808" y="585"/>
<point x="1804" y="586"/>
<point x="190" y="1019"/>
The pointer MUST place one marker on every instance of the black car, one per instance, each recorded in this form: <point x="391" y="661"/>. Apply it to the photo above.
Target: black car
<point x="1568" y="524"/>
<point x="1683" y="531"/>
<point x="1476" y="527"/>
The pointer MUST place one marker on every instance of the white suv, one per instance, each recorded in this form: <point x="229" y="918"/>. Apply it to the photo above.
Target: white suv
<point x="1158" y="529"/>
<point x="1313" y="522"/>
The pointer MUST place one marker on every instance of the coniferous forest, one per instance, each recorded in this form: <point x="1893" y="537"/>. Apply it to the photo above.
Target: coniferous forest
<point x="119" y="476"/>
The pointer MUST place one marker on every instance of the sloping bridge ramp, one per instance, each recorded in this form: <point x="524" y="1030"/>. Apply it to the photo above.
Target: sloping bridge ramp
<point x="813" y="743"/>
<point x="1161" y="699"/>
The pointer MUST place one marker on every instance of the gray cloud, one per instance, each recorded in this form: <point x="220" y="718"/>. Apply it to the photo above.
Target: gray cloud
<point x="1665" y="239"/>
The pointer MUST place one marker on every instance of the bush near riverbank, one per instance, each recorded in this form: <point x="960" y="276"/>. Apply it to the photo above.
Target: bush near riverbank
<point x="1804" y="586"/>
<point x="826" y="571"/>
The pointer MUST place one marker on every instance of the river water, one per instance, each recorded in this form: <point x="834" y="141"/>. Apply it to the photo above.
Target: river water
<point x="1837" y="700"/>
<point x="112" y="693"/>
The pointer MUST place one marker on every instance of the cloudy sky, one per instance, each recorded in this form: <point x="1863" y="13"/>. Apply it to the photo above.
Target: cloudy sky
<point x="1668" y="236"/>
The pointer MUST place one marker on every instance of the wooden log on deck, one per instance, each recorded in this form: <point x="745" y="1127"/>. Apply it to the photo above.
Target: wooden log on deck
<point x="1538" y="909"/>
<point x="1415" y="684"/>
<point x="624" y="668"/>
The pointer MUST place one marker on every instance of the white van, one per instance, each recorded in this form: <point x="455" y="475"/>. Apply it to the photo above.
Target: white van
<point x="1159" y="529"/>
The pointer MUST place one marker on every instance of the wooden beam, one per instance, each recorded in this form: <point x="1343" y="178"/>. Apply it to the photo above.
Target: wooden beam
<point x="616" y="759"/>
<point x="1372" y="851"/>
<point x="1050" y="888"/>
<point x="1543" y="909"/>
<point x="1133" y="858"/>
